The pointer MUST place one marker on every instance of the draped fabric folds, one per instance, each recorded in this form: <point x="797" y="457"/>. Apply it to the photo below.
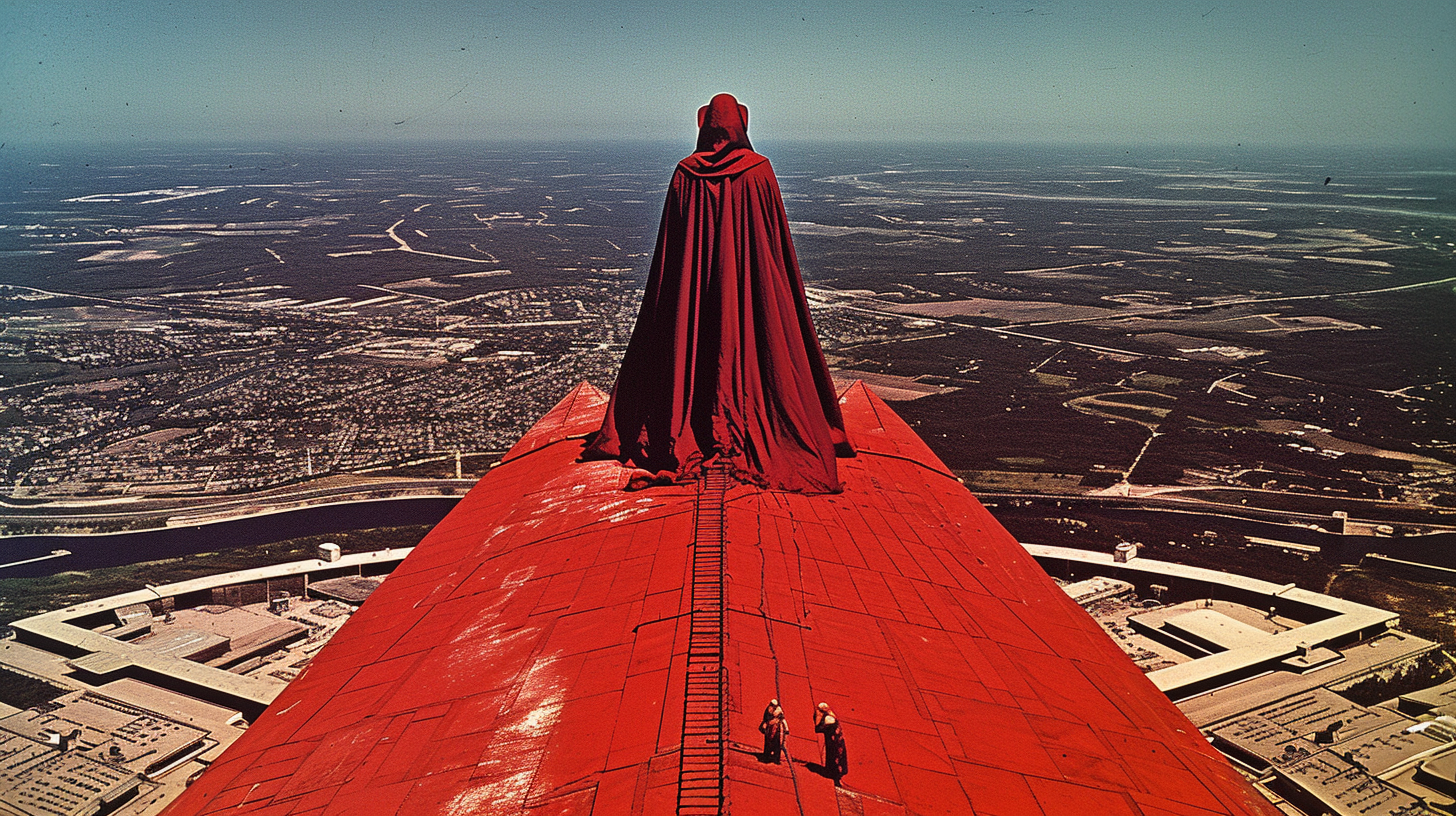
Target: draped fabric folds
<point x="723" y="364"/>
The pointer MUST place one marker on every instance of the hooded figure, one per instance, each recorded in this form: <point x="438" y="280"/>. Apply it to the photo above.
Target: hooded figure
<point x="774" y="728"/>
<point x="723" y="365"/>
<point x="836" y="755"/>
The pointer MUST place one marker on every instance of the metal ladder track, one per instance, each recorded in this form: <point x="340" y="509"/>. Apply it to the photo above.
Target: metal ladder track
<point x="700" y="776"/>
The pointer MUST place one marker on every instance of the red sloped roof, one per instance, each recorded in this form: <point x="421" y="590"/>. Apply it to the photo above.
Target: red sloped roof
<point x="532" y="656"/>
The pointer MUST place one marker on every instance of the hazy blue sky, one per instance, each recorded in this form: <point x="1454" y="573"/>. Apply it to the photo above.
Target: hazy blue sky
<point x="1281" y="72"/>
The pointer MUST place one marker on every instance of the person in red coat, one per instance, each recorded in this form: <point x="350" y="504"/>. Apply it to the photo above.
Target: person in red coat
<point x="723" y="365"/>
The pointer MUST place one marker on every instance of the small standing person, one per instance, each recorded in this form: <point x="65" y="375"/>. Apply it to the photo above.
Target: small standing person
<point x="836" y="759"/>
<point x="774" y="728"/>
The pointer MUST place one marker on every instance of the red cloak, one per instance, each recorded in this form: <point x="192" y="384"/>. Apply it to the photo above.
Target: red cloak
<point x="723" y="363"/>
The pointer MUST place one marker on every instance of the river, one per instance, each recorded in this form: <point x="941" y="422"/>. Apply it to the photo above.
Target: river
<point x="116" y="549"/>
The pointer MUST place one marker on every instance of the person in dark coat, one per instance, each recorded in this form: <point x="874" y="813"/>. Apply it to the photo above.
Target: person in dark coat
<point x="836" y="758"/>
<point x="774" y="728"/>
<point x="723" y="366"/>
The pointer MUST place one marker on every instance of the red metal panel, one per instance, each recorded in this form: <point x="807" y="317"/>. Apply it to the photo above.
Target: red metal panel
<point x="875" y="807"/>
<point x="616" y="788"/>
<point x="1154" y="806"/>
<point x="997" y="792"/>
<point x="447" y="793"/>
<point x="1057" y="796"/>
<point x="590" y="721"/>
<point x="575" y="803"/>
<point x="638" y="719"/>
<point x="928" y="792"/>
<point x="376" y="800"/>
<point x="871" y="758"/>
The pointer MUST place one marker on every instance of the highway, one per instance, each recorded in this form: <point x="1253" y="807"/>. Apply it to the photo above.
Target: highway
<point x="109" y="516"/>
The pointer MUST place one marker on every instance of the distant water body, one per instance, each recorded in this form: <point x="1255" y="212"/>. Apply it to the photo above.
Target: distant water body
<point x="116" y="549"/>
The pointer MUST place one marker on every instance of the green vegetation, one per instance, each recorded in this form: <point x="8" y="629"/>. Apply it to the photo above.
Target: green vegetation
<point x="1427" y="610"/>
<point x="1019" y="481"/>
<point x="1154" y="381"/>
<point x="32" y="369"/>
<point x="1055" y="379"/>
<point x="1430" y="669"/>
<point x="23" y="691"/>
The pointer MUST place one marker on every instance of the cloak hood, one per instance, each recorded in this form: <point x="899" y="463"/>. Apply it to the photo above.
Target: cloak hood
<point x="723" y="147"/>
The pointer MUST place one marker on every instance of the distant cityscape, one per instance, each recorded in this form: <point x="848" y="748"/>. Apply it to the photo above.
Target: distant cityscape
<point x="1228" y="330"/>
<point x="205" y="396"/>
